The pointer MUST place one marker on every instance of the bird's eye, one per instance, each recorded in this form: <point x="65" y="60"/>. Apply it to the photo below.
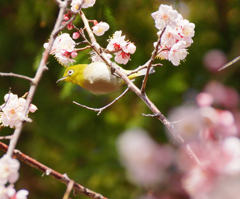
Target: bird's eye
<point x="70" y="72"/>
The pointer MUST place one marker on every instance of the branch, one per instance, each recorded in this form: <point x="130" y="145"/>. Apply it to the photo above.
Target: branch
<point x="41" y="68"/>
<point x="16" y="75"/>
<point x="69" y="189"/>
<point x="48" y="171"/>
<point x="154" y="54"/>
<point x="230" y="63"/>
<point x="99" y="110"/>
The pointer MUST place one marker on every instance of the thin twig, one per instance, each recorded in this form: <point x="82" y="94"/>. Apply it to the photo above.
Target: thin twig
<point x="154" y="54"/>
<point x="50" y="172"/>
<point x="99" y="110"/>
<point x="82" y="49"/>
<point x="16" y="75"/>
<point x="149" y="115"/>
<point x="230" y="63"/>
<point x="69" y="189"/>
<point x="8" y="137"/>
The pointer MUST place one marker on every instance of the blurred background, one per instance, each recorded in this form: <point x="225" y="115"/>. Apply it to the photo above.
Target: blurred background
<point x="76" y="141"/>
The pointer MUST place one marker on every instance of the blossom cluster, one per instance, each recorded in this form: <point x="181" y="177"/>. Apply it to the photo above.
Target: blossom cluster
<point x="63" y="48"/>
<point x="177" y="35"/>
<point x="213" y="134"/>
<point x="12" y="110"/>
<point x="9" y="174"/>
<point x="122" y="48"/>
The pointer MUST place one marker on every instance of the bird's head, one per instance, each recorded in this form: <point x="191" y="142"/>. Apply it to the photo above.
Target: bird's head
<point x="73" y="73"/>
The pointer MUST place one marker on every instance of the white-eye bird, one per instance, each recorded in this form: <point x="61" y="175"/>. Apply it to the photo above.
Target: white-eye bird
<point x="97" y="77"/>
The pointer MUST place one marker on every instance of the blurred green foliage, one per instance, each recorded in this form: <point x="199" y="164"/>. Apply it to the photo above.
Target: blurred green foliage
<point x="76" y="141"/>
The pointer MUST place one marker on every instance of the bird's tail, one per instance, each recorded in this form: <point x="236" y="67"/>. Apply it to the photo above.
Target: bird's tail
<point x="141" y="72"/>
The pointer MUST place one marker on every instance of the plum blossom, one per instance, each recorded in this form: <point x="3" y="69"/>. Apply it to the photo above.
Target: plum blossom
<point x="177" y="35"/>
<point x="219" y="176"/>
<point x="100" y="28"/>
<point x="123" y="49"/>
<point x="147" y="168"/>
<point x="12" y="110"/>
<point x="8" y="170"/>
<point x="117" y="42"/>
<point x="22" y="194"/>
<point x="62" y="48"/>
<point x="204" y="99"/>
<point x="10" y="193"/>
<point x="222" y="95"/>
<point x="214" y="59"/>
<point x="165" y="16"/>
<point x="75" y="4"/>
<point x="170" y="36"/>
<point x="177" y="53"/>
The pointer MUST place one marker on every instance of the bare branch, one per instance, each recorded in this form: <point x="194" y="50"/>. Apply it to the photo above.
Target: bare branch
<point x="149" y="115"/>
<point x="8" y="137"/>
<point x="48" y="171"/>
<point x="16" y="75"/>
<point x="154" y="54"/>
<point x="82" y="49"/>
<point x="41" y="68"/>
<point x="99" y="110"/>
<point x="230" y="63"/>
<point x="69" y="189"/>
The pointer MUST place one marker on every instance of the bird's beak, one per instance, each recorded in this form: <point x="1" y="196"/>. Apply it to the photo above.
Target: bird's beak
<point x="63" y="78"/>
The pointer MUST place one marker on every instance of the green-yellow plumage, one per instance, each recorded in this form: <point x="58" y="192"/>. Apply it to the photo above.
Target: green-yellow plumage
<point x="96" y="77"/>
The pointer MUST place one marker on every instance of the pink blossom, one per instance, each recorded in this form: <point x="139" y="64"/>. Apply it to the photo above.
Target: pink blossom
<point x="12" y="110"/>
<point x="204" y="99"/>
<point x="178" y="52"/>
<point x="218" y="178"/>
<point x="8" y="170"/>
<point x="224" y="96"/>
<point x="123" y="48"/>
<point x="187" y="121"/>
<point x="177" y="35"/>
<point x="117" y="42"/>
<point x="214" y="59"/>
<point x="62" y="48"/>
<point x="148" y="167"/>
<point x="100" y="28"/>
<point x="170" y="37"/>
<point x="75" y="4"/>
<point x="22" y="194"/>
<point x="185" y="28"/>
<point x="122" y="57"/>
<point x="165" y="16"/>
<point x="129" y="48"/>
<point x="7" y="192"/>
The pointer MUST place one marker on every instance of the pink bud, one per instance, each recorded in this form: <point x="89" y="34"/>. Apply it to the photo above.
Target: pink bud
<point x="70" y="26"/>
<point x="95" y="22"/>
<point x="66" y="17"/>
<point x="74" y="54"/>
<point x="76" y="35"/>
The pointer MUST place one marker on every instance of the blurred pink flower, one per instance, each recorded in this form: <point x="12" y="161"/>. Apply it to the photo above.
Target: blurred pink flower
<point x="143" y="158"/>
<point x="214" y="60"/>
<point x="224" y="96"/>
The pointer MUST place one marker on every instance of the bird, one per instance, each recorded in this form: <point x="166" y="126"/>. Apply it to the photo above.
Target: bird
<point x="97" y="77"/>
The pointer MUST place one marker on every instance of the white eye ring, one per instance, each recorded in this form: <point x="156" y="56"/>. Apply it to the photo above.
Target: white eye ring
<point x="70" y="72"/>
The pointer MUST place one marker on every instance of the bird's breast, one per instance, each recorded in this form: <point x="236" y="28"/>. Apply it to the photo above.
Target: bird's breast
<point x="99" y="80"/>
